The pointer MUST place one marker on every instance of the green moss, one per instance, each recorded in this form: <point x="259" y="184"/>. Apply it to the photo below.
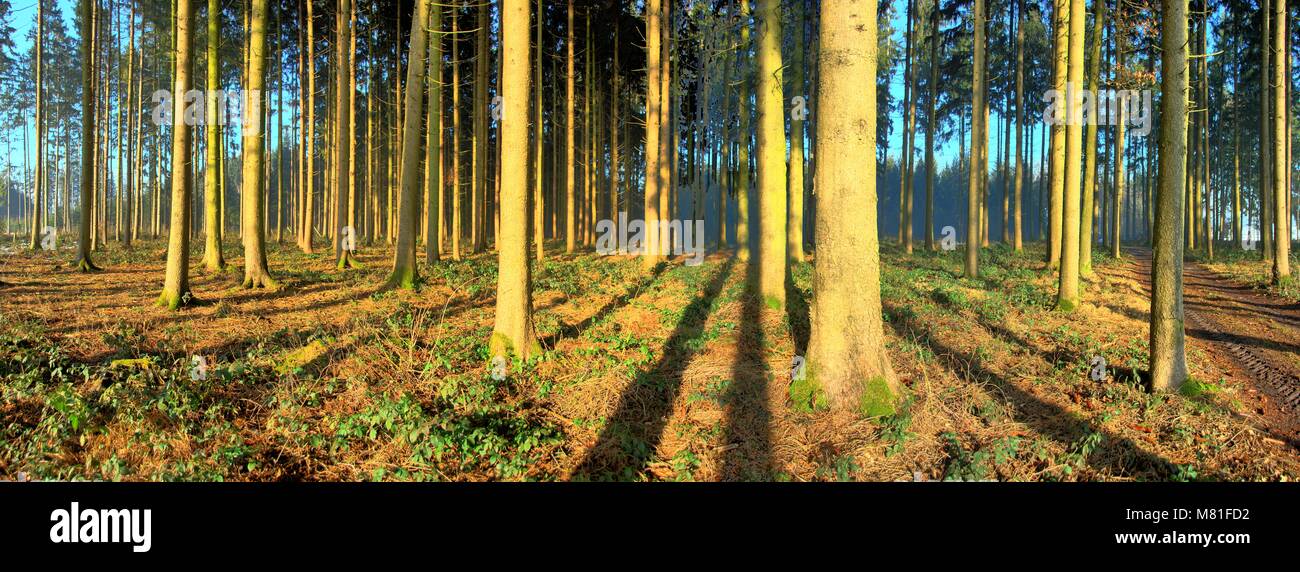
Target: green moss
<point x="877" y="399"/>
<point x="806" y="394"/>
<point x="772" y="302"/>
<point x="1065" y="305"/>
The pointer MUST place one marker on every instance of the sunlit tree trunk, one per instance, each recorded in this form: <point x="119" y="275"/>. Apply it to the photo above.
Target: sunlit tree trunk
<point x="539" y="204"/>
<point x="433" y="140"/>
<point x="1067" y="297"/>
<point x="653" y="15"/>
<point x="1090" y="174"/>
<point x="176" y="286"/>
<point x="978" y="141"/>
<point x="457" y="224"/>
<point x="1265" y="149"/>
<point x="478" y="204"/>
<point x="1116" y="225"/>
<point x="212" y="258"/>
<point x="1061" y="27"/>
<point x="1281" y="165"/>
<point x="904" y="151"/>
<point x="513" y="334"/>
<point x="847" y="361"/>
<point x="38" y="176"/>
<point x="771" y="158"/>
<point x="253" y="185"/>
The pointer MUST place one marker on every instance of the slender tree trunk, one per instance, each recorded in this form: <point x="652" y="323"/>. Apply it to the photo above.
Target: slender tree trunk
<point x="405" y="274"/>
<point x="1265" y="149"/>
<point x="1067" y="297"/>
<point x="513" y="334"/>
<point x="539" y="134"/>
<point x="344" y="227"/>
<point x="931" y="132"/>
<point x="88" y="24"/>
<point x="176" y="288"/>
<point x="1061" y="27"/>
<point x="38" y="176"/>
<point x="742" y="157"/>
<point x="433" y="141"/>
<point x="254" y="183"/>
<point x="794" y="221"/>
<point x="1282" y="209"/>
<point x="213" y="261"/>
<point x="653" y="15"/>
<point x="978" y="141"/>
<point x="771" y="159"/>
<point x="1018" y="238"/>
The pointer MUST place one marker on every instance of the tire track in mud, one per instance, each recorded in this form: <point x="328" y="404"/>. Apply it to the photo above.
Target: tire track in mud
<point x="1256" y="332"/>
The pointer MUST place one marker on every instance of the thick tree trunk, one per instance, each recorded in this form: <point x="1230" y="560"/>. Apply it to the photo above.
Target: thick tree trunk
<point x="847" y="362"/>
<point x="1168" y="361"/>
<point x="653" y="15"/>
<point x="1281" y="165"/>
<point x="254" y="182"/>
<point x="345" y="235"/>
<point x="433" y="140"/>
<point x="87" y="196"/>
<point x="213" y="260"/>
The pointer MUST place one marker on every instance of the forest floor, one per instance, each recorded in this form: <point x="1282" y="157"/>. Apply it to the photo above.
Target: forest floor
<point x="679" y="375"/>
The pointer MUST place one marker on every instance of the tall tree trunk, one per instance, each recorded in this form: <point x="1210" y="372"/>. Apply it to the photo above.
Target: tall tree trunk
<point x="433" y="141"/>
<point x="1067" y="297"/>
<point x="1061" y="28"/>
<point x="1117" y="208"/>
<point x="931" y="133"/>
<point x="479" y="203"/>
<point x="254" y="183"/>
<point x="1018" y="238"/>
<point x="978" y="141"/>
<point x="794" y="221"/>
<point x="570" y="201"/>
<point x="653" y="15"/>
<point x="405" y="274"/>
<point x="1281" y="165"/>
<point x="176" y="287"/>
<point x="742" y="156"/>
<point x="38" y="176"/>
<point x="771" y="164"/>
<point x="539" y="205"/>
<point x="846" y="351"/>
<point x="1265" y="149"/>
<point x="1168" y="360"/>
<point x="344" y="225"/>
<point x="904" y="150"/>
<point x="513" y="334"/>
<point x="213" y="261"/>
<point x="457" y="222"/>
<point x="87" y="197"/>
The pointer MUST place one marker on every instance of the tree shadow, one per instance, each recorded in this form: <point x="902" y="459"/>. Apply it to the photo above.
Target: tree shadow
<point x="749" y="423"/>
<point x="1117" y="454"/>
<point x="576" y="329"/>
<point x="625" y="447"/>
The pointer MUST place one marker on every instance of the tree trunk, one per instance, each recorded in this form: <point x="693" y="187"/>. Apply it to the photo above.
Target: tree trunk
<point x="213" y="261"/>
<point x="847" y="361"/>
<point x="978" y="141"/>
<point x="1281" y="201"/>
<point x="513" y="334"/>
<point x="1168" y="361"/>
<point x="1018" y="237"/>
<point x="176" y="287"/>
<point x="1061" y="27"/>
<point x="650" y="245"/>
<point x="405" y="274"/>
<point x="771" y="164"/>
<point x="254" y="182"/>
<point x="1067" y="297"/>
<point x="344" y="230"/>
<point x="89" y="15"/>
<point x="433" y="141"/>
<point x="794" y="221"/>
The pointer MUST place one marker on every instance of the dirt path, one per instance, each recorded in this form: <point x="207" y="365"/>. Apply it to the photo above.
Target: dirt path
<point x="1248" y="335"/>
